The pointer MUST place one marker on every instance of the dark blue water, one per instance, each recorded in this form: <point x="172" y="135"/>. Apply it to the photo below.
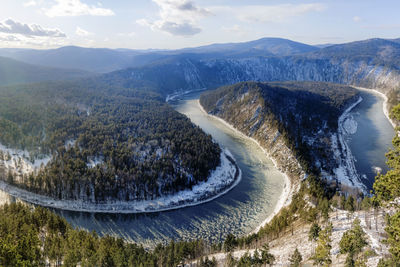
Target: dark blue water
<point x="373" y="137"/>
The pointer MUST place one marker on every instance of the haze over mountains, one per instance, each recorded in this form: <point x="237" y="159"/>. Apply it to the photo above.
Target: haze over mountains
<point x="107" y="60"/>
<point x="369" y="63"/>
<point x="13" y="71"/>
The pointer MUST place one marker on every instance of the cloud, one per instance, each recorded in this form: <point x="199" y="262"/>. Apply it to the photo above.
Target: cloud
<point x="13" y="27"/>
<point x="18" y="40"/>
<point x="177" y="17"/>
<point x="126" y="34"/>
<point x="182" y="28"/>
<point x="236" y="29"/>
<point x="30" y="3"/>
<point x="69" y="8"/>
<point x="81" y="32"/>
<point x="9" y="38"/>
<point x="268" y="14"/>
<point x="356" y="19"/>
<point x="17" y="34"/>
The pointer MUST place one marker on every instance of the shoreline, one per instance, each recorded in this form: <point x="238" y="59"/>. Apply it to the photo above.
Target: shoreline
<point x="181" y="199"/>
<point x="385" y="101"/>
<point x="288" y="189"/>
<point x="349" y="161"/>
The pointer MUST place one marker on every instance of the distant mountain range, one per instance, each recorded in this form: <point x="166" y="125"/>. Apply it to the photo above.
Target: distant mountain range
<point x="107" y="60"/>
<point x="372" y="63"/>
<point x="13" y="71"/>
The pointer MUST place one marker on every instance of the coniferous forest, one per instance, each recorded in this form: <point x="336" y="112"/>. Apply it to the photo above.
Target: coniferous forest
<point x="105" y="143"/>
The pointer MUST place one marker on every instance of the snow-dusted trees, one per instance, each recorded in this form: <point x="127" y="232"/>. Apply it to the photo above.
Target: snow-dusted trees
<point x="107" y="143"/>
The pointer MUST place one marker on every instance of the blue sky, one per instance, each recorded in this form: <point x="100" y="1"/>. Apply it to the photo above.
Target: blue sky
<point x="170" y="24"/>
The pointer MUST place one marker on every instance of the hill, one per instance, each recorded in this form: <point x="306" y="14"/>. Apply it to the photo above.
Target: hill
<point x="13" y="71"/>
<point x="72" y="57"/>
<point x="106" y="60"/>
<point x="95" y="143"/>
<point x="371" y="63"/>
<point x="260" y="47"/>
<point x="296" y="121"/>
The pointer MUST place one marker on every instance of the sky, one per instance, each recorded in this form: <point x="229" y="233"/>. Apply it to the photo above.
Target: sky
<point x="173" y="24"/>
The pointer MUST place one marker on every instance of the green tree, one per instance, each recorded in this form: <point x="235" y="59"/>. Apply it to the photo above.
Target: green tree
<point x="387" y="186"/>
<point x="296" y="258"/>
<point x="230" y="260"/>
<point x="230" y="242"/>
<point x="393" y="231"/>
<point x="266" y="256"/>
<point x="322" y="256"/>
<point x="352" y="242"/>
<point x="349" y="205"/>
<point x="314" y="232"/>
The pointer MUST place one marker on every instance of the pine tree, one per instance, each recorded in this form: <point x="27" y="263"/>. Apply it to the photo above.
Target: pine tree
<point x="296" y="258"/>
<point x="352" y="242"/>
<point x="314" y="232"/>
<point x="387" y="186"/>
<point x="266" y="256"/>
<point x="322" y="256"/>
<point x="393" y="231"/>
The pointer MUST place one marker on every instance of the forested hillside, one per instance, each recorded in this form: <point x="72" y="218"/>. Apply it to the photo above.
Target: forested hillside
<point x="35" y="237"/>
<point x="105" y="143"/>
<point x="296" y="121"/>
<point x="370" y="63"/>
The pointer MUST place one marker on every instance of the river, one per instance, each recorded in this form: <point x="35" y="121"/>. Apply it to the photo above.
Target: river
<point x="248" y="204"/>
<point x="239" y="211"/>
<point x="373" y="137"/>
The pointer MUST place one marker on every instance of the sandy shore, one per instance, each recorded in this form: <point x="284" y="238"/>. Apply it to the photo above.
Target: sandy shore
<point x="220" y="182"/>
<point x="288" y="190"/>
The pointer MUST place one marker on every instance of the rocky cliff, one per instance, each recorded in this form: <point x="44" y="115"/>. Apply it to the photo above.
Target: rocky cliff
<point x="372" y="64"/>
<point x="296" y="122"/>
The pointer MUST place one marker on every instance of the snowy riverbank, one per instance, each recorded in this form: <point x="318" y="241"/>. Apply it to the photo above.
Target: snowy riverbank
<point x="385" y="102"/>
<point x="222" y="180"/>
<point x="346" y="172"/>
<point x="288" y="189"/>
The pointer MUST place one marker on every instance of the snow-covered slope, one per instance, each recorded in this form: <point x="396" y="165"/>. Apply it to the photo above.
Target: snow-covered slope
<point x="221" y="180"/>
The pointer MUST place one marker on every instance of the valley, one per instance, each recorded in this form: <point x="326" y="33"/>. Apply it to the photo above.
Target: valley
<point x="238" y="143"/>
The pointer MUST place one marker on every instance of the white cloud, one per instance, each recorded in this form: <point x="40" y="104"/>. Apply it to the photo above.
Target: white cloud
<point x="268" y="14"/>
<point x="177" y="17"/>
<point x="356" y="19"/>
<point x="17" y="34"/>
<point x="81" y="32"/>
<point x="30" y="3"/>
<point x="14" y="27"/>
<point x="67" y="8"/>
<point x="18" y="40"/>
<point x="236" y="29"/>
<point x="126" y="34"/>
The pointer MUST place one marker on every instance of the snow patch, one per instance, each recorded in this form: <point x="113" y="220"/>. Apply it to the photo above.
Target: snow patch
<point x="221" y="180"/>
<point x="346" y="172"/>
<point x="179" y="93"/>
<point x="19" y="162"/>
<point x="350" y="125"/>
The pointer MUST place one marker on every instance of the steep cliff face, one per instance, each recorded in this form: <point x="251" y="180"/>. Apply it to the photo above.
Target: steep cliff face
<point x="344" y="71"/>
<point x="296" y="122"/>
<point x="371" y="64"/>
